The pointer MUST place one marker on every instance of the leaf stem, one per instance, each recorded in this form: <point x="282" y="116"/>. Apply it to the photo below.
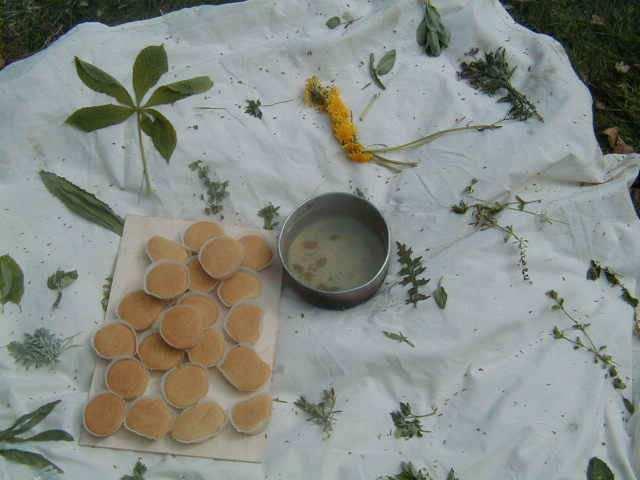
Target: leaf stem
<point x="277" y="103"/>
<point x="145" y="169"/>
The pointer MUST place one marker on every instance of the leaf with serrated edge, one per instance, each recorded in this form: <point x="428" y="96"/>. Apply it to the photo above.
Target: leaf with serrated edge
<point x="161" y="132"/>
<point x="89" y="119"/>
<point x="100" y="81"/>
<point x="179" y="90"/>
<point x="151" y="63"/>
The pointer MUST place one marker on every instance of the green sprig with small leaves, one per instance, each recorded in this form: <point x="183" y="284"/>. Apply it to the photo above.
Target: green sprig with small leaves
<point x="150" y="64"/>
<point x="11" y="282"/>
<point x="254" y="107"/>
<point x="42" y="348"/>
<point x="596" y="270"/>
<point x="409" y="425"/>
<point x="60" y="280"/>
<point x="22" y="425"/>
<point x="492" y="74"/>
<point x="384" y="66"/>
<point x="270" y="216"/>
<point x="139" y="470"/>
<point x="599" y="356"/>
<point x="216" y="191"/>
<point x="409" y="472"/>
<point x="431" y="33"/>
<point x="322" y="413"/>
<point x="410" y="272"/>
<point x="106" y="292"/>
<point x="398" y="337"/>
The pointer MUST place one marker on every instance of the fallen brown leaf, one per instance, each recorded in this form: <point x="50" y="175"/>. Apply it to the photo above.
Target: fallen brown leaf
<point x="616" y="142"/>
<point x="597" y="20"/>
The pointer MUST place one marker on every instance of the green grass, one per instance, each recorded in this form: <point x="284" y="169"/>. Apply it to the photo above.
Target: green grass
<point x="27" y="26"/>
<point x="594" y="51"/>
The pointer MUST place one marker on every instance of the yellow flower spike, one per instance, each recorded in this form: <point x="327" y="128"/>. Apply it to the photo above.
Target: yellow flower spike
<point x="315" y="94"/>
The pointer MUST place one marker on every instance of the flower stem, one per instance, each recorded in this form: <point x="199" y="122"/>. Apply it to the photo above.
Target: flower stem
<point x="434" y="136"/>
<point x="277" y="103"/>
<point x="145" y="170"/>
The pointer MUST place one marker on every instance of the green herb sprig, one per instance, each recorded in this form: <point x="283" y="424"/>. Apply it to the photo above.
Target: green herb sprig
<point x="82" y="203"/>
<point x="384" y="66"/>
<point x="270" y="216"/>
<point x="59" y="281"/>
<point x="150" y="64"/>
<point x="431" y="33"/>
<point x="411" y="270"/>
<point x="22" y="425"/>
<point x="216" y="191"/>
<point x="408" y="425"/>
<point x="106" y="292"/>
<point x="139" y="470"/>
<point x="254" y="107"/>
<point x="409" y="472"/>
<point x="598" y="352"/>
<point x="11" y="282"/>
<point x="492" y="74"/>
<point x="322" y="413"/>
<point x="596" y="269"/>
<point x="398" y="337"/>
<point x="599" y="470"/>
<point x="40" y="348"/>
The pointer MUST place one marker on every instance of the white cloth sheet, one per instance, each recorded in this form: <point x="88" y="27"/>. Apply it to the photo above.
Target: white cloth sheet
<point x="514" y="403"/>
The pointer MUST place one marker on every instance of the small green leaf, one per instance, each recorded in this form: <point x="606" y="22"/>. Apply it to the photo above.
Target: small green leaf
<point x="179" y="90"/>
<point x="386" y="63"/>
<point x="333" y="22"/>
<point x="28" y="421"/>
<point x="594" y="271"/>
<point x="11" y="281"/>
<point x="100" y="81"/>
<point x="151" y="63"/>
<point x="30" y="459"/>
<point x="452" y="475"/>
<point x="162" y="133"/>
<point x="598" y="470"/>
<point x="421" y="33"/>
<point x="628" y="404"/>
<point x="89" y="119"/>
<point x="374" y="73"/>
<point x="440" y="296"/>
<point x="627" y="297"/>
<point x="46" y="436"/>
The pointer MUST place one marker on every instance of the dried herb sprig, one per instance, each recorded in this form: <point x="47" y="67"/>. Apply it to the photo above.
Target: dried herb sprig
<point x="322" y="413"/>
<point x="40" y="348"/>
<point x="398" y="337"/>
<point x="11" y="282"/>
<point x="408" y="425"/>
<point x="106" y="292"/>
<point x="431" y="33"/>
<point x="599" y="355"/>
<point x="139" y="470"/>
<point x="493" y="73"/>
<point x="150" y="64"/>
<point x="22" y="425"/>
<point x="60" y="280"/>
<point x="614" y="279"/>
<point x="270" y="216"/>
<point x="254" y="107"/>
<point x="82" y="203"/>
<point x="411" y="270"/>
<point x="216" y="191"/>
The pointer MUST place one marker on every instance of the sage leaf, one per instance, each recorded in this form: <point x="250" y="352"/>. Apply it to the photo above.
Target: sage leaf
<point x="28" y="421"/>
<point x="151" y="63"/>
<point x="421" y="33"/>
<point x="162" y="133"/>
<point x="30" y="459"/>
<point x="628" y="404"/>
<point x="374" y="73"/>
<point x="179" y="90"/>
<point x="46" y="436"/>
<point x="100" y="81"/>
<point x="386" y="63"/>
<point x="333" y="22"/>
<point x="11" y="281"/>
<point x="59" y="281"/>
<point x="89" y="119"/>
<point x="82" y="203"/>
<point x="431" y="32"/>
<point x="598" y="470"/>
<point x="440" y="296"/>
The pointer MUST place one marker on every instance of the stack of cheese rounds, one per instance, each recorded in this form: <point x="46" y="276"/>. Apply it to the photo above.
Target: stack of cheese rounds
<point x="197" y="313"/>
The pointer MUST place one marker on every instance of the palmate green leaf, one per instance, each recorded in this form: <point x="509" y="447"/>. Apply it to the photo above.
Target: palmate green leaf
<point x="173" y="92"/>
<point x="151" y="63"/>
<point x="46" y="436"/>
<point x="89" y="119"/>
<point x="100" y="81"/>
<point x="11" y="281"/>
<point x="598" y="470"/>
<point x="386" y="63"/>
<point x="28" y="421"/>
<point x="30" y="459"/>
<point x="162" y="133"/>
